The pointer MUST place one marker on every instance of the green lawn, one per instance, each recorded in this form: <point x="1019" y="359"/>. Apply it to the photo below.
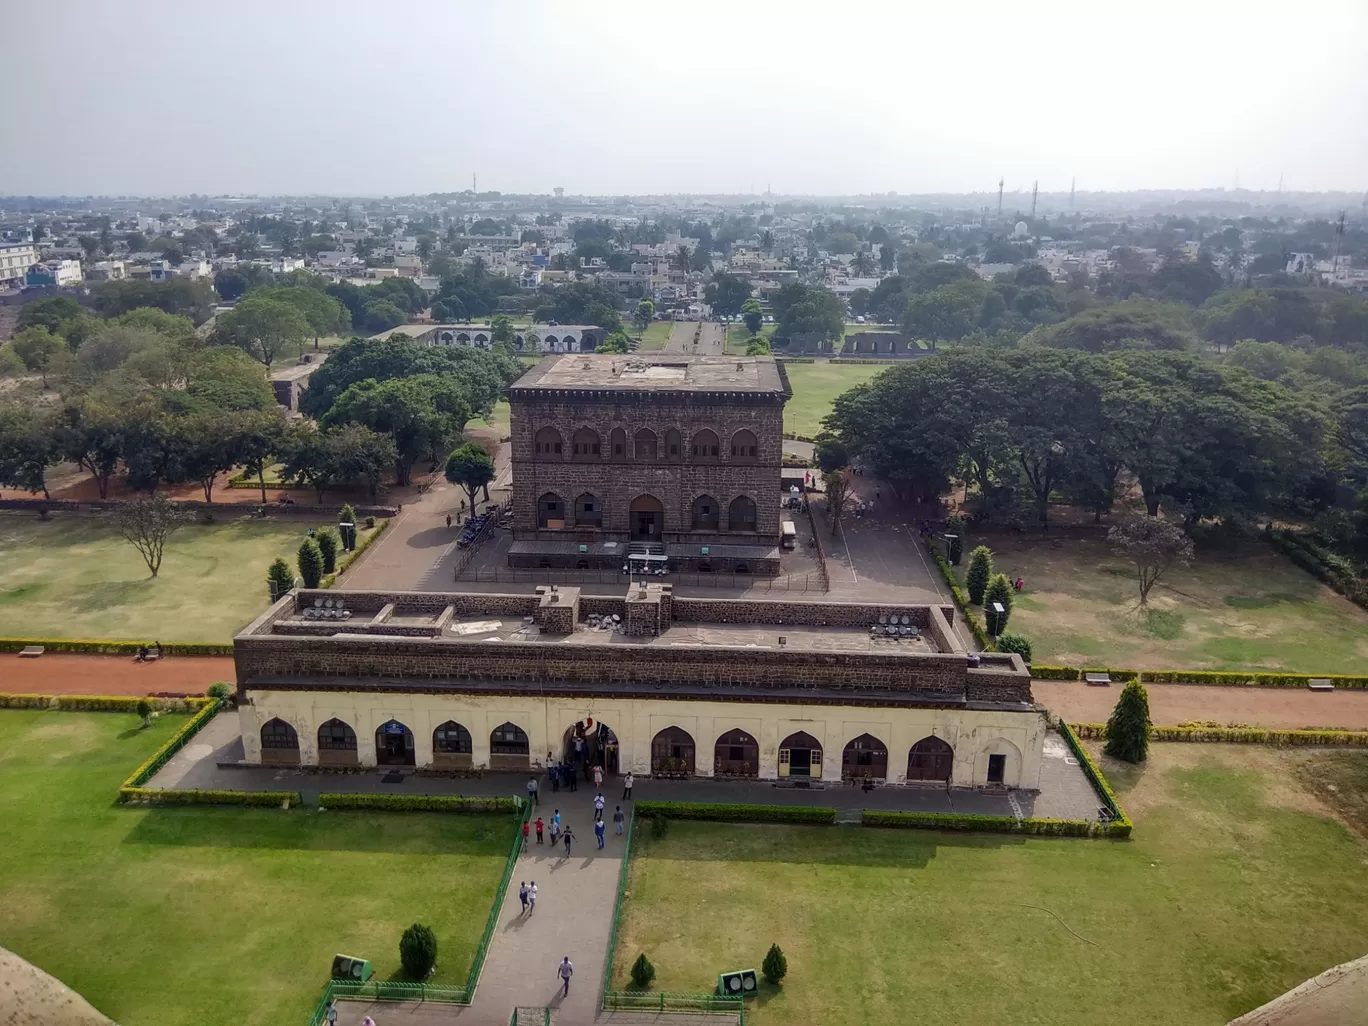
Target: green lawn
<point x="815" y="387"/>
<point x="1235" y="887"/>
<point x="739" y="336"/>
<point x="1235" y="607"/>
<point x="655" y="336"/>
<point x="78" y="578"/>
<point x="498" y="420"/>
<point x="215" y="916"/>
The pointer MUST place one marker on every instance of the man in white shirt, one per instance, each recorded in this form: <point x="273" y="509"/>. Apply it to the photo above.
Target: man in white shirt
<point x="565" y="970"/>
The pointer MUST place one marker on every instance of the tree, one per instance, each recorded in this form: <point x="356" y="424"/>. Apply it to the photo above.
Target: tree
<point x="471" y="467"/>
<point x="91" y="436"/>
<point x="980" y="572"/>
<point x="775" y="965"/>
<point x="808" y="309"/>
<point x="945" y="314"/>
<point x="208" y="445"/>
<point x="260" y="437"/>
<point x="144" y="711"/>
<point x="423" y="415"/>
<point x="89" y="243"/>
<point x="40" y="350"/>
<point x="280" y="577"/>
<point x="998" y="592"/>
<point x="357" y="453"/>
<point x="752" y="315"/>
<point x="1128" y="725"/>
<point x="642" y="972"/>
<point x="1154" y="545"/>
<point x="830" y="453"/>
<point x="233" y="282"/>
<point x="381" y="315"/>
<point x="1017" y="643"/>
<point x="725" y="294"/>
<point x="501" y="328"/>
<point x="418" y="951"/>
<point x="146" y="524"/>
<point x="51" y="313"/>
<point x="28" y="446"/>
<point x="263" y="328"/>
<point x="306" y="457"/>
<point x="324" y="314"/>
<point x="645" y="313"/>
<point x="837" y="486"/>
<point x="309" y="559"/>
<point x="759" y="346"/>
<point x="954" y="529"/>
<point x="616" y="342"/>
<point x="328" y="545"/>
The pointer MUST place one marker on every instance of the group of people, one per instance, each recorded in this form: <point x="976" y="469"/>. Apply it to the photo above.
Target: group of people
<point x="561" y="833"/>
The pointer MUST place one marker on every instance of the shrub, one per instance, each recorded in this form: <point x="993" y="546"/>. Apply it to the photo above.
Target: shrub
<point x="144" y="710"/>
<point x="370" y="523"/>
<point x="176" y="796"/>
<point x="642" y="972"/>
<point x="418" y="951"/>
<point x="1015" y="643"/>
<point x="328" y="544"/>
<point x="1241" y="735"/>
<point x="347" y="514"/>
<point x="959" y="821"/>
<point x="979" y="573"/>
<point x="999" y="590"/>
<point x="1121" y="827"/>
<point x="955" y="526"/>
<point x="775" y="965"/>
<point x="417" y="802"/>
<point x="1128" y="728"/>
<point x="220" y="690"/>
<point x="660" y="827"/>
<point x="1055" y="672"/>
<point x="280" y="576"/>
<point x="310" y="563"/>
<point x="737" y="813"/>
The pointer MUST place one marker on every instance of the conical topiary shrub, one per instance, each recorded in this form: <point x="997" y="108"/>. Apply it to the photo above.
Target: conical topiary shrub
<point x="418" y="951"/>
<point x="642" y="972"/>
<point x="1128" y="727"/>
<point x="1000" y="591"/>
<point x="310" y="563"/>
<point x="775" y="965"/>
<point x="979" y="573"/>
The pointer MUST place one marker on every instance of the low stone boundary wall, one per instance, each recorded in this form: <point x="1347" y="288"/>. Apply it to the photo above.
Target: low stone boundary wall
<point x="244" y="509"/>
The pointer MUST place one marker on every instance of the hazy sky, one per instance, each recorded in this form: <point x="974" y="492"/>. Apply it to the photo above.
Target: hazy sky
<point x="293" y="96"/>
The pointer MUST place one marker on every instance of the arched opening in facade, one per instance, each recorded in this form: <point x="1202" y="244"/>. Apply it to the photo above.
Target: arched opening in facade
<point x="741" y="514"/>
<point x="452" y="746"/>
<point x="617" y="444"/>
<point x="552" y="344"/>
<point x="585" y="444"/>
<point x="736" y="754"/>
<point x="463" y="338"/>
<point x="674" y="446"/>
<point x="393" y="744"/>
<point x="672" y="753"/>
<point x="704" y="447"/>
<point x="279" y="744"/>
<point x="548" y="442"/>
<point x="588" y="342"/>
<point x="647" y="518"/>
<point x="551" y="512"/>
<point x="509" y="748"/>
<point x="800" y="755"/>
<point x="336" y="744"/>
<point x="998" y="764"/>
<point x="591" y="743"/>
<point x="707" y="514"/>
<point x="588" y="511"/>
<point x="644" y="445"/>
<point x="865" y="756"/>
<point x="482" y="340"/>
<point x="744" y="447"/>
<point x="930" y="759"/>
<point x="444" y="338"/>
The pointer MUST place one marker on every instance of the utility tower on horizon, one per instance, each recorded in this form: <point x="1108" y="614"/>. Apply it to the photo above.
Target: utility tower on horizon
<point x="1000" y="184"/>
<point x="1035" y="189"/>
<point x="1072" y="182"/>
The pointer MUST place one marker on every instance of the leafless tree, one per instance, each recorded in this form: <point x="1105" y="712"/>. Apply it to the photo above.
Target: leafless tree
<point x="837" y="486"/>
<point x="147" y="523"/>
<point x="1153" y="544"/>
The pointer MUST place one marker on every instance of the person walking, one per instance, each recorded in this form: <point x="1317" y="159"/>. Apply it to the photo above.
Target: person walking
<point x="532" y="898"/>
<point x="555" y="832"/>
<point x="598" y="776"/>
<point x="524" y="847"/>
<point x="448" y="520"/>
<point x="627" y="787"/>
<point x="618" y="819"/>
<point x="572" y="778"/>
<point x="332" y="1012"/>
<point x="555" y="820"/>
<point x="565" y="970"/>
<point x="598" y="805"/>
<point x="522" y="896"/>
<point x="600" y="828"/>
<point x="554" y="774"/>
<point x="567" y="837"/>
<point x="532" y="791"/>
<point x="540" y="826"/>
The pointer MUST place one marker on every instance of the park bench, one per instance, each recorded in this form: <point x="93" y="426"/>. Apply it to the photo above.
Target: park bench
<point x="1102" y="680"/>
<point x="31" y="651"/>
<point x="1320" y="684"/>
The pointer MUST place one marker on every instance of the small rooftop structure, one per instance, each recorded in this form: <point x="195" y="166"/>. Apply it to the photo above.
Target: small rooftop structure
<point x="590" y="373"/>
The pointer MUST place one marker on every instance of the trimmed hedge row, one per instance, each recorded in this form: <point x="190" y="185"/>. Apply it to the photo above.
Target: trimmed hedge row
<point x="174" y="796"/>
<point x="993" y="824"/>
<point x="111" y="647"/>
<point x="352" y="556"/>
<point x="736" y="813"/>
<point x="162" y="755"/>
<point x="961" y="600"/>
<point x="1239" y="678"/>
<point x="1121" y="826"/>
<point x="1242" y="735"/>
<point x="417" y="802"/>
<point x="101" y="703"/>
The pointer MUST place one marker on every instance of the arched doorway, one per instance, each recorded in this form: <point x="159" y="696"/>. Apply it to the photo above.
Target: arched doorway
<point x="551" y="512"/>
<point x="336" y="744"/>
<point x="930" y="759"/>
<point x="647" y="518"/>
<point x="452" y="746"/>
<point x="736" y="754"/>
<point x="672" y="753"/>
<point x="393" y="744"/>
<point x="800" y="755"/>
<point x="279" y="744"/>
<point x="741" y="514"/>
<point x="866" y="756"/>
<point x="591" y="743"/>
<point x="509" y="748"/>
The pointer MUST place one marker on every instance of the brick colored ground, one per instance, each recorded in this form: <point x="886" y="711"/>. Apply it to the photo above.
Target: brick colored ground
<point x="1172" y="704"/>
<point x="63" y="674"/>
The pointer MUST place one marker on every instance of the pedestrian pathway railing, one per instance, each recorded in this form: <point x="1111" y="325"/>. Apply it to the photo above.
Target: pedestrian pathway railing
<point x="514" y="850"/>
<point x="386" y="990"/>
<point x="663" y="1001"/>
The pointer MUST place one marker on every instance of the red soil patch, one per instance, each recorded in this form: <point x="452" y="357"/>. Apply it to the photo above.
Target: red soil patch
<point x="1172" y="704"/>
<point x="68" y="674"/>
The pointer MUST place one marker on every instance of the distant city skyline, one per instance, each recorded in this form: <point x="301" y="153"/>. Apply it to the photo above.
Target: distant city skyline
<point x="339" y="99"/>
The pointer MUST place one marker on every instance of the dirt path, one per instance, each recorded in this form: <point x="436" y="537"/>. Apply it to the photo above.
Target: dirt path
<point x="64" y="674"/>
<point x="1171" y="704"/>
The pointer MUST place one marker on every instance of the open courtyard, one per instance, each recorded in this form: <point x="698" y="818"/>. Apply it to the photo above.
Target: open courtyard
<point x="1240" y="881"/>
<point x="216" y="916"/>
<point x="77" y="578"/>
<point x="815" y="388"/>
<point x="1240" y="606"/>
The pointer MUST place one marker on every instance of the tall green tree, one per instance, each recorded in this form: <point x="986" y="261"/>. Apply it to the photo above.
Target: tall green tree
<point x="1128" y="725"/>
<point x="263" y="328"/>
<point x="978" y="575"/>
<point x="471" y="467"/>
<point x="752" y="315"/>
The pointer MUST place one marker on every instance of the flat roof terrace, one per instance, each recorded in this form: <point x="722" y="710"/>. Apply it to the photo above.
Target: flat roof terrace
<point x="590" y="373"/>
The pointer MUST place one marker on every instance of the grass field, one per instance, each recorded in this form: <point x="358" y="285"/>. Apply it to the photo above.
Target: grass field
<point x="1238" y="884"/>
<point x="815" y="388"/>
<point x="739" y="336"/>
<point x="78" y="578"/>
<point x="1235" y="607"/>
<point x="655" y="336"/>
<point x="215" y="916"/>
<point x="498" y="420"/>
